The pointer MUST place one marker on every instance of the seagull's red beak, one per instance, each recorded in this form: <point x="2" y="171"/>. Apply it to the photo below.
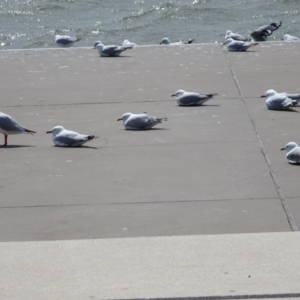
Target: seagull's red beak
<point x="49" y="131"/>
<point x="263" y="96"/>
<point x="119" y="119"/>
<point x="173" y="95"/>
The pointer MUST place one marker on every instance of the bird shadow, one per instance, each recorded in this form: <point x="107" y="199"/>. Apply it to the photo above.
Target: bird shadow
<point x="15" y="146"/>
<point x="287" y="110"/>
<point x="195" y="105"/>
<point x="76" y="147"/>
<point x="149" y="129"/>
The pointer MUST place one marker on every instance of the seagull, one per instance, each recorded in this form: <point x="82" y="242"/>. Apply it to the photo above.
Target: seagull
<point x="65" y="40"/>
<point x="277" y="101"/>
<point x="233" y="45"/>
<point x="235" y="36"/>
<point x="111" y="50"/>
<point x="261" y="34"/>
<point x="139" y="121"/>
<point x="9" y="126"/>
<point x="290" y="38"/>
<point x="66" y="138"/>
<point x="184" y="98"/>
<point x="126" y="43"/>
<point x="166" y="41"/>
<point x="292" y="153"/>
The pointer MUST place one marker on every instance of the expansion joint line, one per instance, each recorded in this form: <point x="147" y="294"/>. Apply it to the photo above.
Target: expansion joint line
<point x="264" y="151"/>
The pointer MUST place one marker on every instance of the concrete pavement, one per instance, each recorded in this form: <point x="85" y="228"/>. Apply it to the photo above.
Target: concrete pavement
<point x="210" y="170"/>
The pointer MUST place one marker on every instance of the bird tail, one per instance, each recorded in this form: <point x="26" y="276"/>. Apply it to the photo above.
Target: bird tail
<point x="91" y="137"/>
<point x="162" y="119"/>
<point x="211" y="95"/>
<point x="190" y="41"/>
<point x="29" y="131"/>
<point x="127" y="47"/>
<point x="254" y="44"/>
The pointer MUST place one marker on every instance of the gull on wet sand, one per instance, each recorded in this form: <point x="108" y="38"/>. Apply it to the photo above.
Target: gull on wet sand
<point x="66" y="138"/>
<point x="166" y="41"/>
<point x="278" y="101"/>
<point x="292" y="153"/>
<point x="139" y="121"/>
<point x="235" y="36"/>
<point x="65" y="40"/>
<point x="184" y="98"/>
<point x="290" y="38"/>
<point x="110" y="50"/>
<point x="233" y="45"/>
<point x="9" y="126"/>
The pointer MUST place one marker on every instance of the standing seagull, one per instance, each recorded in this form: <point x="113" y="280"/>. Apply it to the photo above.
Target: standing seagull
<point x="111" y="50"/>
<point x="139" y="121"/>
<point x="184" y="98"/>
<point x="276" y="101"/>
<point x="235" y="36"/>
<point x="66" y="138"/>
<point x="9" y="126"/>
<point x="233" y="45"/>
<point x="65" y="40"/>
<point x="293" y="153"/>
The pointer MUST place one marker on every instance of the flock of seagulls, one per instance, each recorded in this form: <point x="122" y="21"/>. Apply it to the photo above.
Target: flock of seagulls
<point x="234" y="42"/>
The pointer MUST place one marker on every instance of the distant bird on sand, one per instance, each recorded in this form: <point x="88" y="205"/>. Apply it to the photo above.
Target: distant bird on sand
<point x="110" y="50"/>
<point x="292" y="153"/>
<point x="290" y="38"/>
<point x="9" y="126"/>
<point x="184" y="98"/>
<point x="65" y="40"/>
<point x="233" y="45"/>
<point x="66" y="138"/>
<point x="261" y="34"/>
<point x="235" y="36"/>
<point x="278" y="101"/>
<point x="139" y="121"/>
<point x="166" y="41"/>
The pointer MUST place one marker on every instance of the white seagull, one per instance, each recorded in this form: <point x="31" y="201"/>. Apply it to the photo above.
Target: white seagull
<point x="110" y="50"/>
<point x="65" y="40"/>
<point x="233" y="45"/>
<point x="292" y="153"/>
<point x="139" y="121"/>
<point x="184" y="98"/>
<point x="277" y="101"/>
<point x="166" y="41"/>
<point x="126" y="43"/>
<point x="9" y="126"/>
<point x="290" y="38"/>
<point x="66" y="138"/>
<point x="235" y="36"/>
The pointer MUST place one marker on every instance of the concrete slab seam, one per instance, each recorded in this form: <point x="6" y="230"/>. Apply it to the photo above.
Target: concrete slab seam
<point x="275" y="179"/>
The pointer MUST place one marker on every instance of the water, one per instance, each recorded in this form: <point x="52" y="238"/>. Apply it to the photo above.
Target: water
<point x="28" y="24"/>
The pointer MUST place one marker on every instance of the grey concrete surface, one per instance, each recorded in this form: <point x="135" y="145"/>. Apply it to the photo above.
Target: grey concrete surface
<point x="214" y="173"/>
<point x="158" y="267"/>
<point x="221" y="157"/>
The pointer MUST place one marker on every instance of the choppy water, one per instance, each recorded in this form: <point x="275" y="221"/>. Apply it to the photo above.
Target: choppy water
<point x="33" y="23"/>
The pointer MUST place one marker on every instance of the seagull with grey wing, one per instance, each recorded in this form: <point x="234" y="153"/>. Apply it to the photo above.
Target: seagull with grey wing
<point x="292" y="152"/>
<point x="166" y="41"/>
<point x="67" y="138"/>
<point x="290" y="38"/>
<point x="261" y="34"/>
<point x="139" y="121"/>
<point x="233" y="45"/>
<point x="9" y="126"/>
<point x="279" y="101"/>
<point x="110" y="50"/>
<point x="184" y="98"/>
<point x="65" y="40"/>
<point x="235" y="36"/>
